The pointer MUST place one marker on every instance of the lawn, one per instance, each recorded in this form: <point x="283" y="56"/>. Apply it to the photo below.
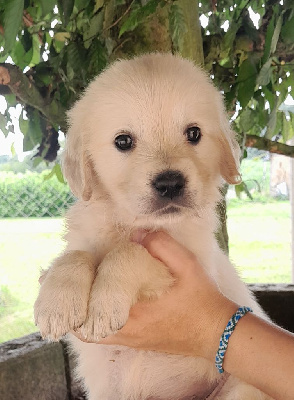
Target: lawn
<point x="259" y="246"/>
<point x="260" y="237"/>
<point x="26" y="246"/>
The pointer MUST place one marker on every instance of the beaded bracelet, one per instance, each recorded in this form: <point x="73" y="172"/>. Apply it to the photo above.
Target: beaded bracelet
<point x="223" y="344"/>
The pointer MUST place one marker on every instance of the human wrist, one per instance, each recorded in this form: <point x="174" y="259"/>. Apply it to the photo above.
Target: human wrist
<point x="225" y="337"/>
<point x="223" y="310"/>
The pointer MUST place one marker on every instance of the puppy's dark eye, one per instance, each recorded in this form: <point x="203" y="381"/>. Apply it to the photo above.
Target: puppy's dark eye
<point x="193" y="134"/>
<point x="124" y="142"/>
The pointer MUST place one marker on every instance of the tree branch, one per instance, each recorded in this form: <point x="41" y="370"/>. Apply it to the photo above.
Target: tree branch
<point x="262" y="143"/>
<point x="25" y="90"/>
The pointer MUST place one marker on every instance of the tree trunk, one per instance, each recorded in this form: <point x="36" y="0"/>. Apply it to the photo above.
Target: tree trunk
<point x="191" y="43"/>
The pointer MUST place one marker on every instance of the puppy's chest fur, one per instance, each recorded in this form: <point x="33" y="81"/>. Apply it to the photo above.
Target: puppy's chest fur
<point x="92" y="227"/>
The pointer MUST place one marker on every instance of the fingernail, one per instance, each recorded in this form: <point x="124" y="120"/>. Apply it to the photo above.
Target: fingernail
<point x="138" y="235"/>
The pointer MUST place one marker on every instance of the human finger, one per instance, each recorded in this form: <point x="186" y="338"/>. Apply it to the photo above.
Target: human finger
<point x="176" y="257"/>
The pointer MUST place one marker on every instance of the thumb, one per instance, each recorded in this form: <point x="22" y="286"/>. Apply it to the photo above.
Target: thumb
<point x="177" y="258"/>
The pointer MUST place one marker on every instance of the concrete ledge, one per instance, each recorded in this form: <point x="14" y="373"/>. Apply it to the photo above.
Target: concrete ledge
<point x="33" y="369"/>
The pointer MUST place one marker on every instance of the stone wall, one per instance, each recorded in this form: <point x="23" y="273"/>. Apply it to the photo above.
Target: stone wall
<point x="33" y="369"/>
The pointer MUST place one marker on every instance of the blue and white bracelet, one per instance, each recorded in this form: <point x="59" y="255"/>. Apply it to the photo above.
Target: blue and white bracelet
<point x="224" y="340"/>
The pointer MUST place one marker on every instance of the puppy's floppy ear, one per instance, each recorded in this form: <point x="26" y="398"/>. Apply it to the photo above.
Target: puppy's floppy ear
<point x="230" y="151"/>
<point x="77" y="165"/>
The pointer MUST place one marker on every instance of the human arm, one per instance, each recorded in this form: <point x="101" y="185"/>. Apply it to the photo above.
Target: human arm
<point x="190" y="319"/>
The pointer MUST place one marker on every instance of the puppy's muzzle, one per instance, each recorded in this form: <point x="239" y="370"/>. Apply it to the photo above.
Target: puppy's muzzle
<point x="169" y="184"/>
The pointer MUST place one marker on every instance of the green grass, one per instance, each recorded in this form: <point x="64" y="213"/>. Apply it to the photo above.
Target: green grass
<point x="259" y="246"/>
<point x="26" y="246"/>
<point x="260" y="237"/>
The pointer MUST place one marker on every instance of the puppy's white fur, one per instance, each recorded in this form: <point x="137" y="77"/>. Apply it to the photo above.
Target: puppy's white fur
<point x="153" y="98"/>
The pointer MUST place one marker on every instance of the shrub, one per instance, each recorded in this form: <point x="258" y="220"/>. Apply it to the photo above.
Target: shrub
<point x="29" y="195"/>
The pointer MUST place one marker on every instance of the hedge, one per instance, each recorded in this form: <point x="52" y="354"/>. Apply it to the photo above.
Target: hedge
<point x="30" y="195"/>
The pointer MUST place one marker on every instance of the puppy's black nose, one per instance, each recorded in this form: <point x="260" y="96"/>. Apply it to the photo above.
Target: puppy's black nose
<point x="169" y="184"/>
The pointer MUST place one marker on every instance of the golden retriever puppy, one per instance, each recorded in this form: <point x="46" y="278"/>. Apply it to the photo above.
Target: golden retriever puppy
<point x="149" y="146"/>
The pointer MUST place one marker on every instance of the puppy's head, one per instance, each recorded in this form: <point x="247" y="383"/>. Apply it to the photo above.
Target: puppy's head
<point x="151" y="135"/>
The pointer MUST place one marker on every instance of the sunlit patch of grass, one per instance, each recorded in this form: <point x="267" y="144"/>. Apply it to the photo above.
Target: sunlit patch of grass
<point x="260" y="237"/>
<point x="26" y="246"/>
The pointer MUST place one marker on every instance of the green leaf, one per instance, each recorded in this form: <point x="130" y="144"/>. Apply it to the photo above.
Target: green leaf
<point x="273" y="119"/>
<point x="36" y="51"/>
<point x="239" y="190"/>
<point x="247" y="70"/>
<point x="247" y="119"/>
<point x="247" y="81"/>
<point x="58" y="173"/>
<point x="230" y="96"/>
<point x="56" y="170"/>
<point x="37" y="161"/>
<point x="268" y="39"/>
<point x="265" y="73"/>
<point x="287" y="31"/>
<point x="269" y="96"/>
<point x="279" y="123"/>
<point x="26" y="39"/>
<point x="24" y="126"/>
<point x="246" y="91"/>
<point x="20" y="57"/>
<point x="79" y="4"/>
<point x="50" y="175"/>
<point x="97" y="56"/>
<point x="47" y="6"/>
<point x="263" y="116"/>
<point x="242" y="187"/>
<point x="12" y="149"/>
<point x="137" y="16"/>
<point x="76" y="56"/>
<point x="131" y="23"/>
<point x="291" y="128"/>
<point x="65" y="8"/>
<point x="11" y="100"/>
<point x="3" y="123"/>
<point x="58" y="46"/>
<point x="227" y="43"/>
<point x="95" y="26"/>
<point x="17" y="54"/>
<point x="34" y="132"/>
<point x="13" y="11"/>
<point x="276" y="34"/>
<point x="62" y="36"/>
<point x="287" y="130"/>
<point x="98" y="4"/>
<point x="48" y="39"/>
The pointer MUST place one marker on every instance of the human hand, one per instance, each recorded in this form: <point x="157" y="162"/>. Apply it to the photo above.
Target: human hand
<point x="187" y="320"/>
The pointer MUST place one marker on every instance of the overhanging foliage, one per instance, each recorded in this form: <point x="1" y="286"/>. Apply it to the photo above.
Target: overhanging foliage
<point x="58" y="46"/>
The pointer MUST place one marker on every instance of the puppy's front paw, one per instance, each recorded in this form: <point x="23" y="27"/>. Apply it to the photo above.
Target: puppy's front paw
<point x="108" y="312"/>
<point x="63" y="299"/>
<point x="126" y="274"/>
<point x="57" y="311"/>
